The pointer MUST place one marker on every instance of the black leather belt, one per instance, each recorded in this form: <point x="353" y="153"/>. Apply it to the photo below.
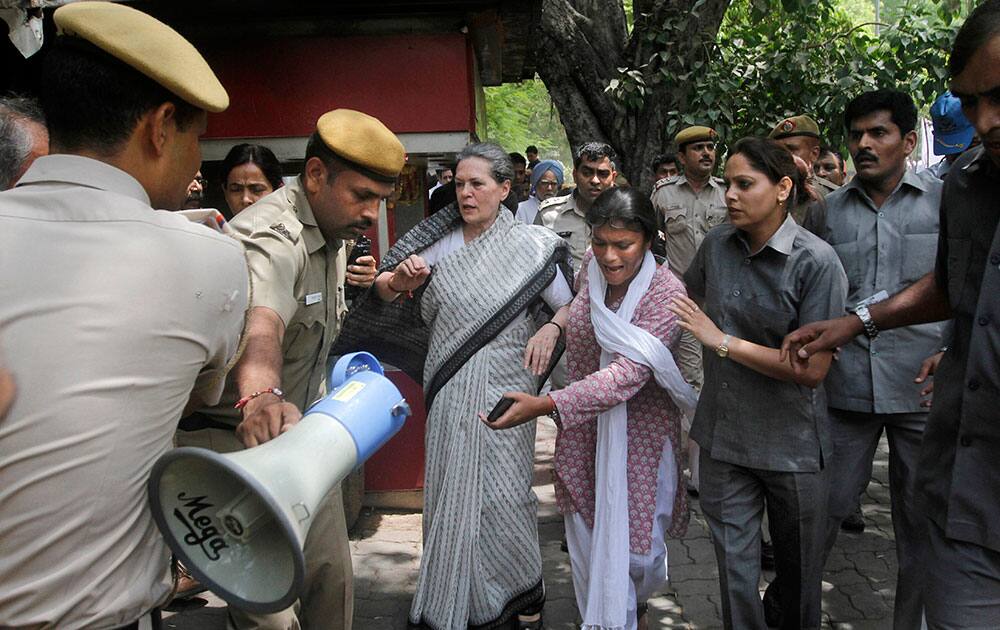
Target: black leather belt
<point x="198" y="421"/>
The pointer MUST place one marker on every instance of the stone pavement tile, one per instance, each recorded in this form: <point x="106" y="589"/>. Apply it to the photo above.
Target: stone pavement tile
<point x="864" y="624"/>
<point x="871" y="564"/>
<point x="677" y="553"/>
<point x="871" y="605"/>
<point x="701" y="551"/>
<point x="838" y="560"/>
<point x="702" y="612"/>
<point x="838" y="605"/>
<point x="871" y="540"/>
<point x="560" y="614"/>
<point x="836" y="579"/>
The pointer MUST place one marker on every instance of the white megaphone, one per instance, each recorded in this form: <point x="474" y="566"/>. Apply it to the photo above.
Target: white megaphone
<point x="238" y="521"/>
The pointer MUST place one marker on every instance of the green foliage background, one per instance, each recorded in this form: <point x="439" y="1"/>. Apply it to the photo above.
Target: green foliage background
<point x="519" y="114"/>
<point x="772" y="59"/>
<point x="813" y="58"/>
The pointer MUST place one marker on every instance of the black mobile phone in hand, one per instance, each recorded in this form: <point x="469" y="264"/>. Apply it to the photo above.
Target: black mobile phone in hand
<point x="362" y="247"/>
<point x="501" y="407"/>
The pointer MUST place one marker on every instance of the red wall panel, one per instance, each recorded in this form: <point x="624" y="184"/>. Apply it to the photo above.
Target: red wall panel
<point x="279" y="87"/>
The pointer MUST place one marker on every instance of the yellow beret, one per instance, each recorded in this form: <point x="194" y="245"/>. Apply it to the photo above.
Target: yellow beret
<point x="795" y="126"/>
<point x="694" y="134"/>
<point x="149" y="46"/>
<point x="362" y="139"/>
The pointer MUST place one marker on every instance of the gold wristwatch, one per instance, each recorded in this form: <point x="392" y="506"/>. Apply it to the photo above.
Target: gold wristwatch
<point x="723" y="349"/>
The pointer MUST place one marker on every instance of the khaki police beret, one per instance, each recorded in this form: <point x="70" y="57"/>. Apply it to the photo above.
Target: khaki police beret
<point x="795" y="126"/>
<point x="149" y="46"/>
<point x="694" y="134"/>
<point x="362" y="139"/>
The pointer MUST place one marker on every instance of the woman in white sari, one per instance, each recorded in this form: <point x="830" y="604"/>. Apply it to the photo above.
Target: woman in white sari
<point x="462" y="283"/>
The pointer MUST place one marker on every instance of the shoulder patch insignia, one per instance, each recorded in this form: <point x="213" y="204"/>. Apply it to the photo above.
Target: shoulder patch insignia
<point x="660" y="183"/>
<point x="554" y="201"/>
<point x="282" y="230"/>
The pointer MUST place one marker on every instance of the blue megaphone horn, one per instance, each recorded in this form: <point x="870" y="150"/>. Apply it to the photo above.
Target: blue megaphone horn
<point x="238" y="521"/>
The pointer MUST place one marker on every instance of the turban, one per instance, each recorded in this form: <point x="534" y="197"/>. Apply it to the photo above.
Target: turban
<point x="541" y="168"/>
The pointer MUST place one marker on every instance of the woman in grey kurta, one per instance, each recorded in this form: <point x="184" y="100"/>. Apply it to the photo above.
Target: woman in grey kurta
<point x="477" y="271"/>
<point x="761" y="425"/>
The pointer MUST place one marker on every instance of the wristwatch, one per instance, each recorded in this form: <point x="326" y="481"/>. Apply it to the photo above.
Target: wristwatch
<point x="723" y="349"/>
<point x="871" y="330"/>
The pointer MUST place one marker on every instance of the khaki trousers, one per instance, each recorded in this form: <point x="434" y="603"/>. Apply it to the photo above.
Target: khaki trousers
<point x="690" y="365"/>
<point x="327" y="600"/>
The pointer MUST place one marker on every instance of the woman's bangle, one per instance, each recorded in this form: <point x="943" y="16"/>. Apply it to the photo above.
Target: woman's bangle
<point x="556" y="325"/>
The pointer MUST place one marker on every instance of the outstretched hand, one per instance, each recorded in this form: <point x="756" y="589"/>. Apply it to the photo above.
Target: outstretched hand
<point x="525" y="408"/>
<point x="695" y="321"/>
<point x="927" y="369"/>
<point x="409" y="274"/>
<point x="822" y="336"/>
<point x="538" y="351"/>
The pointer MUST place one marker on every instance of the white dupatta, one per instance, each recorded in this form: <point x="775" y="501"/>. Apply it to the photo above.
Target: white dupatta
<point x="609" y="555"/>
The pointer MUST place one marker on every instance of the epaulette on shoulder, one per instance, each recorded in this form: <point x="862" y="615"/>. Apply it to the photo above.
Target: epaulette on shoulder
<point x="660" y="183"/>
<point x="554" y="201"/>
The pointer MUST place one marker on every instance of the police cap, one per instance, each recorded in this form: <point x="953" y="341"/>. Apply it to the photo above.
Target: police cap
<point x="148" y="45"/>
<point x="363" y="140"/>
<point x="795" y="126"/>
<point x="694" y="134"/>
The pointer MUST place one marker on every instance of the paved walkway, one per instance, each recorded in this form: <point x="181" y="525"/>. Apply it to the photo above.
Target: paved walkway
<point x="858" y="587"/>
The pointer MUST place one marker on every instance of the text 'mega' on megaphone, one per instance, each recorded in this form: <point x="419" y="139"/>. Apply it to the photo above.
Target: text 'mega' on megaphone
<point x="238" y="521"/>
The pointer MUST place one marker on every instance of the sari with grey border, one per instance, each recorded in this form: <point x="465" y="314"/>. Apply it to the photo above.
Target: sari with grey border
<point x="481" y="563"/>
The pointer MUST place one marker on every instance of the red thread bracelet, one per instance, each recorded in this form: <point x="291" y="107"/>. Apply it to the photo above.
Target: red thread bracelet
<point x="277" y="391"/>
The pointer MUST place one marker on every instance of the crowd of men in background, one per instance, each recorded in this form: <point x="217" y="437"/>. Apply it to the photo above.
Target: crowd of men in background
<point x="926" y="235"/>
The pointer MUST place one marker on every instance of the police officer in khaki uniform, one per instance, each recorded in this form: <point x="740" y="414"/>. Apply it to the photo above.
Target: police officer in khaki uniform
<point x="690" y="204"/>
<point x="593" y="172"/>
<point x="687" y="207"/>
<point x="800" y="135"/>
<point x="294" y="240"/>
<point x="115" y="318"/>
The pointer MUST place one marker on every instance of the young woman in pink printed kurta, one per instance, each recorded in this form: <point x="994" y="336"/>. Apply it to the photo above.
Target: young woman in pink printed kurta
<point x="620" y="411"/>
<point x="652" y="415"/>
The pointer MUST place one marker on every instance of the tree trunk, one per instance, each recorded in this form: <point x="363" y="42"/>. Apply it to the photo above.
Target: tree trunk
<point x="582" y="45"/>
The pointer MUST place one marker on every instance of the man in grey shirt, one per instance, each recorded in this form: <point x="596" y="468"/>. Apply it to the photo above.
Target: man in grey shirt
<point x="959" y="474"/>
<point x="884" y="227"/>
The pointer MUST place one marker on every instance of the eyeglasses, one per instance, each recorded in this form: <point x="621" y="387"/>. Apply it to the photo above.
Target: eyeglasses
<point x="544" y="184"/>
<point x="616" y="223"/>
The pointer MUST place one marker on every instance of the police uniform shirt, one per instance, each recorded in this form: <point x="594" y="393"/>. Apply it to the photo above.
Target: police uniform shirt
<point x="958" y="473"/>
<point x="111" y="315"/>
<point x="563" y="216"/>
<point x="883" y="249"/>
<point x="300" y="276"/>
<point x="823" y="186"/>
<point x="686" y="216"/>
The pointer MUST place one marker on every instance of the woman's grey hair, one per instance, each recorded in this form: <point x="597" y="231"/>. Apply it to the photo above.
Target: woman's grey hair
<point x="501" y="167"/>
<point x="15" y="139"/>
